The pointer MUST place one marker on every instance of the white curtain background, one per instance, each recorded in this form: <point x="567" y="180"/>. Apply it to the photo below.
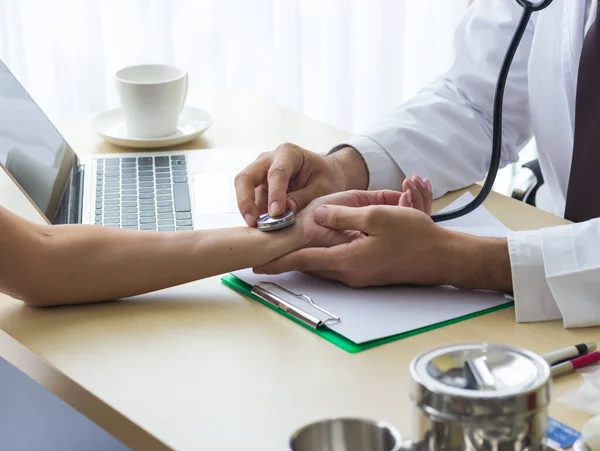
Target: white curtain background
<point x="343" y="62"/>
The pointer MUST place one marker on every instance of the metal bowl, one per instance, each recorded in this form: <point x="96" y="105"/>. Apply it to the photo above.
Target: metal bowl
<point x="346" y="434"/>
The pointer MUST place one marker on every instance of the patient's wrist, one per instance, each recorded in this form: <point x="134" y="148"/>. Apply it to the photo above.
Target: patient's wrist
<point x="289" y="239"/>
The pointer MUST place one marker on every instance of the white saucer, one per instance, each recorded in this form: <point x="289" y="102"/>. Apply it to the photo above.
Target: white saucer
<point x="110" y="125"/>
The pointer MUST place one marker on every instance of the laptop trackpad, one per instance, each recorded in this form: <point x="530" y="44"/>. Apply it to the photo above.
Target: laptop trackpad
<point x="215" y="204"/>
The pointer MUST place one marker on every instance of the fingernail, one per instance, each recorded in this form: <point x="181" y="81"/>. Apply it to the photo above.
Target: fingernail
<point x="274" y="209"/>
<point x="249" y="219"/>
<point x="428" y="183"/>
<point x="420" y="182"/>
<point x="411" y="184"/>
<point x="409" y="196"/>
<point x="404" y="200"/>
<point x="320" y="214"/>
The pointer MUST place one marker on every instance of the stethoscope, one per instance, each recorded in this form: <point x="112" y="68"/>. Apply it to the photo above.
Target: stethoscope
<point x="267" y="223"/>
<point x="529" y="8"/>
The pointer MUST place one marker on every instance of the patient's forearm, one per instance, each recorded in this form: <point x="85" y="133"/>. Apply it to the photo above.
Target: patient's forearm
<point x="72" y="264"/>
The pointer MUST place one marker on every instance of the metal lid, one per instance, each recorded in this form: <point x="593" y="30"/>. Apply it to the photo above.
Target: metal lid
<point x="480" y="379"/>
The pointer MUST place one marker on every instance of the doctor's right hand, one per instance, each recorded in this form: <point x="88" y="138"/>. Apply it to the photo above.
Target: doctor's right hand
<point x="389" y="244"/>
<point x="291" y="177"/>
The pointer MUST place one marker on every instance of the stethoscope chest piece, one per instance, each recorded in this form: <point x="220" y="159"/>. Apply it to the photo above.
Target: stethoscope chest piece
<point x="268" y="223"/>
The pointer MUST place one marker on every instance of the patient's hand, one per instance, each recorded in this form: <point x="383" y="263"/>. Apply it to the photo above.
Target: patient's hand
<point x="418" y="194"/>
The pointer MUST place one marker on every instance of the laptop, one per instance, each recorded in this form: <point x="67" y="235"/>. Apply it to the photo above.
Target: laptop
<point x="160" y="191"/>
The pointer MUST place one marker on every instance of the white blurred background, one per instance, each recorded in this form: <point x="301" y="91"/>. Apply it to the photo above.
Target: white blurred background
<point x="343" y="62"/>
<point x="339" y="61"/>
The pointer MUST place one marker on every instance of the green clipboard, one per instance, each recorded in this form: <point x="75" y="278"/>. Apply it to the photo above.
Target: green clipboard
<point x="333" y="337"/>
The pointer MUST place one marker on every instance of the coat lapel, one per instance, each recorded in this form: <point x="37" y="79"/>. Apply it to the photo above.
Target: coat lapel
<point x="553" y="66"/>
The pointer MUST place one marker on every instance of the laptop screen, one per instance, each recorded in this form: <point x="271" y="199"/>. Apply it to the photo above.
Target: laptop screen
<point x="31" y="149"/>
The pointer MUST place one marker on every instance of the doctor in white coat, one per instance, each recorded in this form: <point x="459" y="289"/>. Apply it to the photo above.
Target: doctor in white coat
<point x="444" y="134"/>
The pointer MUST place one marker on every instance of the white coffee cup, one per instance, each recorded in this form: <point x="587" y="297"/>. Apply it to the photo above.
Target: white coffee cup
<point x="152" y="97"/>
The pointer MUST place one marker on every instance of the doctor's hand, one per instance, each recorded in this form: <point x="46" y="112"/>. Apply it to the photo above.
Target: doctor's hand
<point x="292" y="177"/>
<point x="317" y="235"/>
<point x="392" y="245"/>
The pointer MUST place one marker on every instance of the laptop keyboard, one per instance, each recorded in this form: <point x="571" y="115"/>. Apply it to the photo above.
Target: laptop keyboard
<point x="143" y="193"/>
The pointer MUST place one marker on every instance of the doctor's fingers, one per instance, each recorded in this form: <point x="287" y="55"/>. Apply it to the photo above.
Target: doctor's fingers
<point x="292" y="168"/>
<point x="282" y="169"/>
<point x="246" y="183"/>
<point x="382" y="197"/>
<point x="262" y="196"/>
<point x="298" y="200"/>
<point x="360" y="198"/>
<point x="371" y="220"/>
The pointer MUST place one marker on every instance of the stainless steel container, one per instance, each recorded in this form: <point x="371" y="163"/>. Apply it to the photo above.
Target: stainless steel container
<point x="479" y="397"/>
<point x="346" y="434"/>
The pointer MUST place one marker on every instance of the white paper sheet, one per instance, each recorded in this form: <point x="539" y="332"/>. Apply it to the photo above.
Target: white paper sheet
<point x="371" y="313"/>
<point x="479" y="222"/>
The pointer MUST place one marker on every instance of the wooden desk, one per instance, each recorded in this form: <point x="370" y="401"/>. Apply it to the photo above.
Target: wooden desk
<point x="202" y="368"/>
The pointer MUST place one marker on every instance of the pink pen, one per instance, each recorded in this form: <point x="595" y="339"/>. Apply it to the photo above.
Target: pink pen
<point x="568" y="353"/>
<point x="571" y="365"/>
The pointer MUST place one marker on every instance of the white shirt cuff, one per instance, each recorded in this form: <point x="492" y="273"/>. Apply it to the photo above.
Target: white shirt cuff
<point x="533" y="298"/>
<point x="384" y="173"/>
<point x="572" y="269"/>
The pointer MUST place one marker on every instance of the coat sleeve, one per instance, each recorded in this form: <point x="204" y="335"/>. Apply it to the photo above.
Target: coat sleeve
<point x="445" y="132"/>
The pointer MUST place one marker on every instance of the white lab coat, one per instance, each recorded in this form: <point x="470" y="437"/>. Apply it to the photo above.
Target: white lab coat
<point x="444" y="134"/>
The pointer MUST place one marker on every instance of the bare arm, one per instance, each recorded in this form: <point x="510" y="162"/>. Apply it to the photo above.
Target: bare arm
<point x="49" y="265"/>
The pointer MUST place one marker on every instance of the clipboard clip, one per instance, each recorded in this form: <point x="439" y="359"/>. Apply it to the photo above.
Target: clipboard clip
<point x="276" y="301"/>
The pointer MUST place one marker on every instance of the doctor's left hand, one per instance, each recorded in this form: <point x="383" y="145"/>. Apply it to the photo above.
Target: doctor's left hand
<point x="396" y="245"/>
<point x="317" y="235"/>
<point x="392" y="242"/>
<point x="417" y="194"/>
